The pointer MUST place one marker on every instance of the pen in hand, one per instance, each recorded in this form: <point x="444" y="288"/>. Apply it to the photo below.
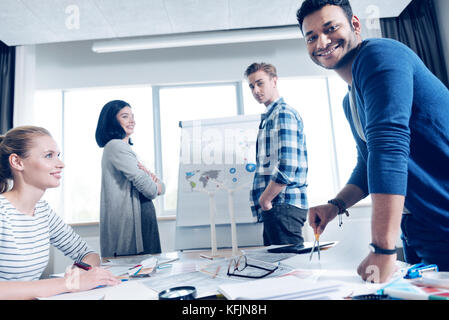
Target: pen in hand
<point x="83" y="265"/>
<point x="94" y="277"/>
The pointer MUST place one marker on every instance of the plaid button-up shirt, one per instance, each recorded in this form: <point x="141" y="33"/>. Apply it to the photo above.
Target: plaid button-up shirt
<point x="281" y="156"/>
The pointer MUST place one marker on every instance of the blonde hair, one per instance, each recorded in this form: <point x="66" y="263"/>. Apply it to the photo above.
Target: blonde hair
<point x="266" y="67"/>
<point x="16" y="141"/>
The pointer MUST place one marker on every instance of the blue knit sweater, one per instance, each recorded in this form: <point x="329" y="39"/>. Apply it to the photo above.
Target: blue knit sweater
<point x="404" y="113"/>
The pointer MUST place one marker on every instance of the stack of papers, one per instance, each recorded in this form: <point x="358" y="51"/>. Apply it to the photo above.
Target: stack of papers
<point x="130" y="290"/>
<point x="129" y="266"/>
<point x="280" y="288"/>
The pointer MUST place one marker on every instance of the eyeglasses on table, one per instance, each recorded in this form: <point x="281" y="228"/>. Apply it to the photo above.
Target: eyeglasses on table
<point x="238" y="265"/>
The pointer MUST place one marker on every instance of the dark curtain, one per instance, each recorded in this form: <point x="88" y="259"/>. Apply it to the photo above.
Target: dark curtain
<point x="7" y="67"/>
<point x="417" y="27"/>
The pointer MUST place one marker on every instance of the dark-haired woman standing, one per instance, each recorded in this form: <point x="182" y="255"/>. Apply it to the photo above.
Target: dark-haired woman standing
<point x="128" y="224"/>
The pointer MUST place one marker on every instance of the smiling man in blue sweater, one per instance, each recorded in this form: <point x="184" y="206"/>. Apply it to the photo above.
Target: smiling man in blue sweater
<point x="399" y="115"/>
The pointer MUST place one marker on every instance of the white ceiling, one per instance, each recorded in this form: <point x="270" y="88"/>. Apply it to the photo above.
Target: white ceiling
<point x="25" y="22"/>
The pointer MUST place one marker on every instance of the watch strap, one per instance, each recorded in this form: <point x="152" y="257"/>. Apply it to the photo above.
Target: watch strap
<point x="380" y="250"/>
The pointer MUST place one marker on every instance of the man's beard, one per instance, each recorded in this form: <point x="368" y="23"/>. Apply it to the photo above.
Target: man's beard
<point x="343" y="61"/>
<point x="347" y="58"/>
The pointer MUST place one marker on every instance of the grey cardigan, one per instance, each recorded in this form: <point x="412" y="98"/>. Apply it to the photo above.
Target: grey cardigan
<point x="120" y="216"/>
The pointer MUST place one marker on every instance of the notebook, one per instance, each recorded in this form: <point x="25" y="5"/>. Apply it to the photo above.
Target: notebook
<point x="279" y="288"/>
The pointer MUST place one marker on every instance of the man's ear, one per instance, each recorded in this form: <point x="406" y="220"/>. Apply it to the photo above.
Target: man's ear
<point x="356" y="25"/>
<point x="275" y="80"/>
<point x="15" y="162"/>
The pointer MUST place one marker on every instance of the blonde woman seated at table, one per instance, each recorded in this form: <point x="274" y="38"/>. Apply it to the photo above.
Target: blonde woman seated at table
<point x="29" y="161"/>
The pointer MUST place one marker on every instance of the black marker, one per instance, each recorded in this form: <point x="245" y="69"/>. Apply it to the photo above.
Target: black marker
<point x="83" y="265"/>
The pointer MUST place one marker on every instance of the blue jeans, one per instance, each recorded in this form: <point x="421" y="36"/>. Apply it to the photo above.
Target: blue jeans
<point x="283" y="224"/>
<point x="424" y="245"/>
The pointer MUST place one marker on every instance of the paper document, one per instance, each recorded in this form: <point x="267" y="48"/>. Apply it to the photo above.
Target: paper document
<point x="140" y="259"/>
<point x="219" y="269"/>
<point x="130" y="290"/>
<point x="94" y="294"/>
<point x="119" y="270"/>
<point x="280" y="288"/>
<point x="268" y="256"/>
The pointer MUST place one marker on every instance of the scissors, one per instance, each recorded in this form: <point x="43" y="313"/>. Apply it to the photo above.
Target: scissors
<point x="316" y="244"/>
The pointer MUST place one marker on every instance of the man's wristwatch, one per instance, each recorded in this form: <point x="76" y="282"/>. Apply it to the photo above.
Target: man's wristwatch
<point x="379" y="250"/>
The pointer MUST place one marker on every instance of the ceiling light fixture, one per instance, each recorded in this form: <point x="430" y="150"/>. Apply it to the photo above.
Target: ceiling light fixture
<point x="198" y="39"/>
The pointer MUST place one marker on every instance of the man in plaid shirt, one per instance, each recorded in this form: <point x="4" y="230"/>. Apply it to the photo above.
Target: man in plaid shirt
<point x="278" y="197"/>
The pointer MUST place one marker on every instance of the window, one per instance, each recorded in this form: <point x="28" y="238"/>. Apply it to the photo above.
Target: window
<point x="77" y="115"/>
<point x="47" y="113"/>
<point x="309" y="97"/>
<point x="345" y="146"/>
<point x="185" y="103"/>
<point x="346" y="152"/>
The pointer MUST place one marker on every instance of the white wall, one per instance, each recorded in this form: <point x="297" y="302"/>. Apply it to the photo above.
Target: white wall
<point x="72" y="65"/>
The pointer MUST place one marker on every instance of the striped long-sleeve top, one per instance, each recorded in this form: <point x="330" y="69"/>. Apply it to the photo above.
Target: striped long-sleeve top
<point x="25" y="241"/>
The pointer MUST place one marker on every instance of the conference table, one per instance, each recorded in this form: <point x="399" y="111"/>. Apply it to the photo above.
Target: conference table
<point x="207" y="274"/>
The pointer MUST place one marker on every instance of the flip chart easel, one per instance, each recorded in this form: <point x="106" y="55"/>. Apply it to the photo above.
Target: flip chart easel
<point x="213" y="233"/>
<point x="213" y="159"/>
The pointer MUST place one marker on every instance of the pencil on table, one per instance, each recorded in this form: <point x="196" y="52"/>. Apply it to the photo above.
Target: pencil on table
<point x="216" y="272"/>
